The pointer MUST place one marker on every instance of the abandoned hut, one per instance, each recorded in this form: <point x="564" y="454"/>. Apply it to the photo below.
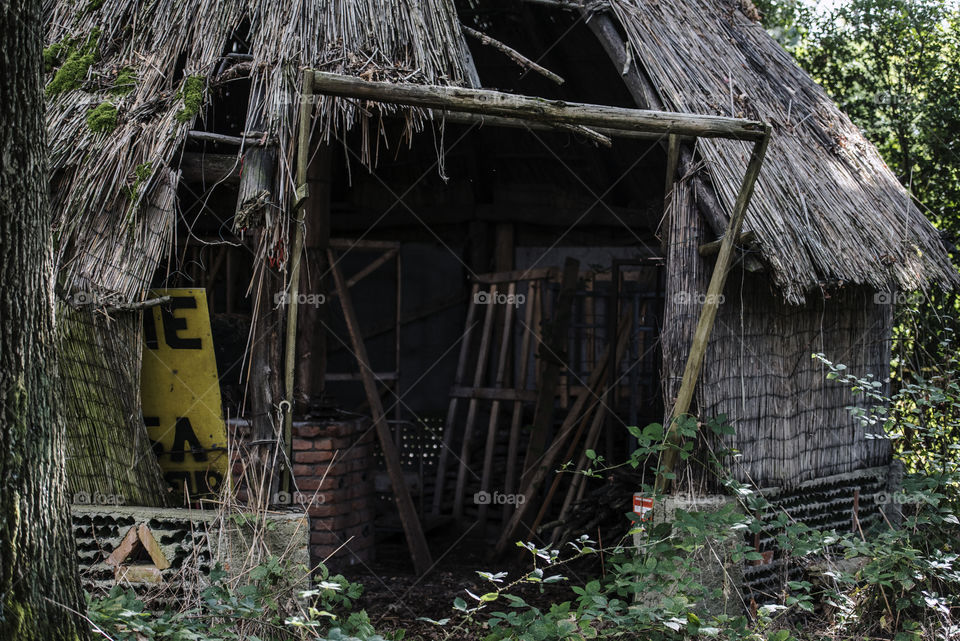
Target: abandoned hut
<point x="395" y="261"/>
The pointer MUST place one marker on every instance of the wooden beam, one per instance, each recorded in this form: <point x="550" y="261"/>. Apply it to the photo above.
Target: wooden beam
<point x="519" y="274"/>
<point x="416" y="542"/>
<point x="247" y="140"/>
<point x="495" y="103"/>
<point x="208" y="169"/>
<point x="461" y="118"/>
<point x="708" y="313"/>
<point x="713" y="247"/>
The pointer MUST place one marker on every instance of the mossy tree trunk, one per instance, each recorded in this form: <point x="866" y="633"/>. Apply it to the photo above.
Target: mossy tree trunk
<point x="39" y="585"/>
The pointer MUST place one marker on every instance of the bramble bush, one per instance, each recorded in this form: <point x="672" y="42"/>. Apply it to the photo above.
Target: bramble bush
<point x="898" y="581"/>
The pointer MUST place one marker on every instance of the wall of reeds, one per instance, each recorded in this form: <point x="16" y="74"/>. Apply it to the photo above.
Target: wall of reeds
<point x="791" y="423"/>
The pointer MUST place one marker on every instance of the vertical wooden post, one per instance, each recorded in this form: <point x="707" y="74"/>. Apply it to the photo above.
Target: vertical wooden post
<point x="709" y="312"/>
<point x="303" y="161"/>
<point x="312" y="340"/>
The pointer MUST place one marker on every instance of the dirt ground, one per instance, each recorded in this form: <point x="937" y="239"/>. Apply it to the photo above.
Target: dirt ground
<point x="395" y="598"/>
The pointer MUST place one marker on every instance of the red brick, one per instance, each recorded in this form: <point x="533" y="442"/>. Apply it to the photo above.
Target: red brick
<point x="301" y="444"/>
<point x="308" y="431"/>
<point x="314" y="483"/>
<point x="323" y="444"/>
<point x="312" y="457"/>
<point x="324" y="510"/>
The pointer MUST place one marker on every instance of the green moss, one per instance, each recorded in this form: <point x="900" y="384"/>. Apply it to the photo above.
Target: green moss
<point x="93" y="5"/>
<point x="102" y="119"/>
<point x="53" y="54"/>
<point x="125" y="83"/>
<point x="143" y="171"/>
<point x="192" y="96"/>
<point x="71" y="74"/>
<point x="141" y="174"/>
<point x="77" y="60"/>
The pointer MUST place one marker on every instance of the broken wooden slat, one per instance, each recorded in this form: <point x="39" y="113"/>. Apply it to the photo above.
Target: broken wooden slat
<point x="416" y="541"/>
<point x="516" y="275"/>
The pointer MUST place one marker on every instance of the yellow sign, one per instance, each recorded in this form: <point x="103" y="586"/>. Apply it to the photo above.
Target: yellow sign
<point x="180" y="392"/>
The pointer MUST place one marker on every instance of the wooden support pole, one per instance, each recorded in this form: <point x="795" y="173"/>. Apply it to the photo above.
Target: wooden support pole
<point x="673" y="159"/>
<point x="495" y="103"/>
<point x="311" y="352"/>
<point x="290" y="355"/>
<point x="713" y="247"/>
<point x="708" y="314"/>
<point x="416" y="542"/>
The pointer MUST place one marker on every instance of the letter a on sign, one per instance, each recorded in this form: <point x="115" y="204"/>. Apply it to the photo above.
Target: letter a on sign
<point x="180" y="392"/>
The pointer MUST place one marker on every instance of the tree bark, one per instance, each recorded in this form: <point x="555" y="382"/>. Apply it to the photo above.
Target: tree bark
<point x="39" y="584"/>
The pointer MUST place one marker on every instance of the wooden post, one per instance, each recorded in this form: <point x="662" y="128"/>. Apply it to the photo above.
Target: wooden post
<point x="709" y="312"/>
<point x="416" y="541"/>
<point x="312" y="340"/>
<point x="495" y="103"/>
<point x="303" y="160"/>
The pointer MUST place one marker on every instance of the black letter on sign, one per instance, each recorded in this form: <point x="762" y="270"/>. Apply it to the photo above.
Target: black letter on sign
<point x="172" y="326"/>
<point x="154" y="421"/>
<point x="149" y="329"/>
<point x="184" y="433"/>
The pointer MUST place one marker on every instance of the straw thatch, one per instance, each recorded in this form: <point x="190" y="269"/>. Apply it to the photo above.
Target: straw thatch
<point x="826" y="207"/>
<point x="154" y="62"/>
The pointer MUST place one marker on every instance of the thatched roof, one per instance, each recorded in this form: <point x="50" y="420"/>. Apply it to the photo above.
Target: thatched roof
<point x="826" y="207"/>
<point x="128" y="78"/>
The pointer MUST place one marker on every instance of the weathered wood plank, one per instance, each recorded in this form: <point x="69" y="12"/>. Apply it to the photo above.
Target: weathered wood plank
<point x="495" y="103"/>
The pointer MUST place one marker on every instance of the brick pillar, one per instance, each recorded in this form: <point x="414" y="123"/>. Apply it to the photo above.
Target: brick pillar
<point x="333" y="473"/>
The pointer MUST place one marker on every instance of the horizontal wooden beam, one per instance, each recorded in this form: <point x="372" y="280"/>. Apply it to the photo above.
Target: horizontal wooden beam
<point x="461" y="118"/>
<point x="209" y="169"/>
<point x="495" y="103"/>
<point x="248" y="140"/>
<point x="713" y="247"/>
<point x="494" y="394"/>
<point x="552" y="273"/>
